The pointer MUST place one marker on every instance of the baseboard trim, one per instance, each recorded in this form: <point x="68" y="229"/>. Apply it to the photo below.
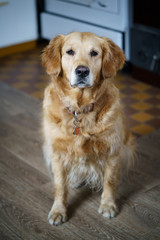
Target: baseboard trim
<point x="17" y="48"/>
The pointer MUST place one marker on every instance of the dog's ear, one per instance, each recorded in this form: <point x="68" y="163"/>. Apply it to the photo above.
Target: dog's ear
<point x="51" y="56"/>
<point x="113" y="58"/>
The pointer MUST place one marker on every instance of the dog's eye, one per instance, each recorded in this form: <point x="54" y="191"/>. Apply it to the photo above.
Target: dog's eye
<point x="93" y="53"/>
<point x="70" y="52"/>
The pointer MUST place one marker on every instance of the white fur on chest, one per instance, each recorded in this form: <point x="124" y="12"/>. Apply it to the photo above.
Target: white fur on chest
<point x="78" y="169"/>
<point x="86" y="171"/>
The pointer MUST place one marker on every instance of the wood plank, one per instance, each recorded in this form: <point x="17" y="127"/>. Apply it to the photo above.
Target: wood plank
<point x="82" y="225"/>
<point x="153" y="235"/>
<point x="20" y="117"/>
<point x="8" y="234"/>
<point x="149" y="144"/>
<point x="23" y="215"/>
<point x="23" y="142"/>
<point x="153" y="195"/>
<point x="27" y="225"/>
<point x="83" y="215"/>
<point x="82" y="218"/>
<point x="82" y="211"/>
<point x="18" y="99"/>
<point x="135" y="221"/>
<point x="26" y="201"/>
<point x="20" y="173"/>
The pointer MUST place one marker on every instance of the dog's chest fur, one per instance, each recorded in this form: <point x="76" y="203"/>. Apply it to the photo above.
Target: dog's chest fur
<point x="84" y="156"/>
<point x="84" y="160"/>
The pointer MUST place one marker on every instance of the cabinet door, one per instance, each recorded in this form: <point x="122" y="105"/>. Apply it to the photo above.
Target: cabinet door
<point x="111" y="14"/>
<point x="18" y="22"/>
<point x="52" y="25"/>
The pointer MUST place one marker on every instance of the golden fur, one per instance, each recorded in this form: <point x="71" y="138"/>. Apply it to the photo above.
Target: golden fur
<point x="95" y="155"/>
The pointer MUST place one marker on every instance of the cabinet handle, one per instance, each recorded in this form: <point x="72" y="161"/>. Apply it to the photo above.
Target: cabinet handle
<point x="155" y="62"/>
<point x="102" y="3"/>
<point x="3" y="4"/>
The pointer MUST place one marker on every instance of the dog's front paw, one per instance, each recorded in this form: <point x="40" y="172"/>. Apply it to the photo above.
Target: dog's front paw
<point x="108" y="209"/>
<point x="57" y="216"/>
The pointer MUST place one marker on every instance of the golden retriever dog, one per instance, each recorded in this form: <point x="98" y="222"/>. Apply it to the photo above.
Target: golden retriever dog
<point x="85" y="140"/>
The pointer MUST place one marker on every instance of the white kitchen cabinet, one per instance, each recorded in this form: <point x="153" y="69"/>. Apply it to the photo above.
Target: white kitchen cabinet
<point x="108" y="18"/>
<point x="50" y="21"/>
<point x="18" y="22"/>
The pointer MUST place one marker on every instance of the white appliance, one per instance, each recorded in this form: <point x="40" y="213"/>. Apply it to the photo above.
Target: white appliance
<point x="108" y="18"/>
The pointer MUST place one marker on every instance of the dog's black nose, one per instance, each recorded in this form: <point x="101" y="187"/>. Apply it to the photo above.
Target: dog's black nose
<point x="82" y="71"/>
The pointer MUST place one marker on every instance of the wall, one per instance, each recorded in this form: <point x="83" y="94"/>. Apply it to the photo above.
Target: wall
<point x="18" y="22"/>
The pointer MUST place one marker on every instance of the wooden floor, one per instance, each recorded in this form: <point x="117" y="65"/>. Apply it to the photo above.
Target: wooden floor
<point x="26" y="190"/>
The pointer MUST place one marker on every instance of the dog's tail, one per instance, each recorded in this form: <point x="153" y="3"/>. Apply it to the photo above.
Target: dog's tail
<point x="128" y="154"/>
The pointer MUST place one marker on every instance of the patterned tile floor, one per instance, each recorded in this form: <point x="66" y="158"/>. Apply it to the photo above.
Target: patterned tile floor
<point x="141" y="102"/>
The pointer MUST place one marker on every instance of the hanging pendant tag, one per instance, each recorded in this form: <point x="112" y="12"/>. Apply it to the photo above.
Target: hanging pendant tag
<point x="76" y="131"/>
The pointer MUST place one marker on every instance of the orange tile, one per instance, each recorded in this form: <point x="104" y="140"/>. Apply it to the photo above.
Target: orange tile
<point x="142" y="129"/>
<point x="30" y="69"/>
<point x="141" y="96"/>
<point x="19" y="85"/>
<point x="122" y="95"/>
<point x="24" y="76"/>
<point x="44" y="77"/>
<point x="119" y="77"/>
<point x="120" y="86"/>
<point x="141" y="106"/>
<point x="141" y="116"/>
<point x="41" y="85"/>
<point x="37" y="94"/>
<point x="140" y="86"/>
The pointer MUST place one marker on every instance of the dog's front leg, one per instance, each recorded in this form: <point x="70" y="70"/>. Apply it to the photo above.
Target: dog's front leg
<point x="58" y="215"/>
<point x="111" y="178"/>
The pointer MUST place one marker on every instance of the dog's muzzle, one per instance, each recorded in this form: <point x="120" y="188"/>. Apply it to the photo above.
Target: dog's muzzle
<point x="81" y="77"/>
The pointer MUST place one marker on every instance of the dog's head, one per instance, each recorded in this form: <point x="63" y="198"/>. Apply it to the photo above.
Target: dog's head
<point x="82" y="59"/>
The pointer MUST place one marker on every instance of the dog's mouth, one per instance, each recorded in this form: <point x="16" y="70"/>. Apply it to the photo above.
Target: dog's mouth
<point x="80" y="84"/>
